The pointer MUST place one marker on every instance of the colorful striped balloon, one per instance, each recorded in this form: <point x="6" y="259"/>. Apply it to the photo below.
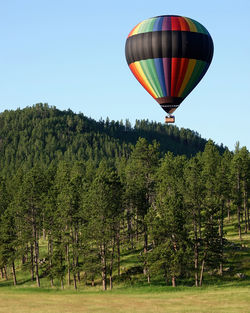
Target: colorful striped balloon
<point x="169" y="55"/>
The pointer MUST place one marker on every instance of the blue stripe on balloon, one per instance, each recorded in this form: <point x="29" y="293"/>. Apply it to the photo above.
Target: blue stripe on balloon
<point x="160" y="74"/>
<point x="158" y="24"/>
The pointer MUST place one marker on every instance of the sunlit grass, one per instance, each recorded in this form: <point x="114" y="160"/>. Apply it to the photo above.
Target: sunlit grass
<point x="189" y="300"/>
<point x="227" y="294"/>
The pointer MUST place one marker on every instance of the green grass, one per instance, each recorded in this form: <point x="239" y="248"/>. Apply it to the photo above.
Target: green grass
<point x="228" y="294"/>
<point x="212" y="299"/>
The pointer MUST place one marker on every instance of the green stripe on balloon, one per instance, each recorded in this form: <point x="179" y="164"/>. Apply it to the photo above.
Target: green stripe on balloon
<point x="153" y="73"/>
<point x="147" y="26"/>
<point x="200" y="28"/>
<point x="149" y="73"/>
<point x="195" y="77"/>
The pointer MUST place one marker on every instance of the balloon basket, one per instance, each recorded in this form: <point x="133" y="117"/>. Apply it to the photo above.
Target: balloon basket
<point x="169" y="119"/>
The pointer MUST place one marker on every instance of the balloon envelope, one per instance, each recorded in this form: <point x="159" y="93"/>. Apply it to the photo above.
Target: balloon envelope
<point x="169" y="55"/>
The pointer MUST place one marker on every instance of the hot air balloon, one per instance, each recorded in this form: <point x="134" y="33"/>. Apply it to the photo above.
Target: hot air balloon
<point x="169" y="55"/>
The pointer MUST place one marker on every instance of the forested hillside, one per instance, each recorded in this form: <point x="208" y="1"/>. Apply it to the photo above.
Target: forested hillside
<point x="43" y="134"/>
<point x="86" y="202"/>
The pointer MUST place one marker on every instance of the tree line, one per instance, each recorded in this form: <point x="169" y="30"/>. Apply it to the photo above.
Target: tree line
<point x="74" y="219"/>
<point x="43" y="134"/>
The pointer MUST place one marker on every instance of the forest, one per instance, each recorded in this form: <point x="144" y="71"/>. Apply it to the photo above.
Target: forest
<point x="77" y="195"/>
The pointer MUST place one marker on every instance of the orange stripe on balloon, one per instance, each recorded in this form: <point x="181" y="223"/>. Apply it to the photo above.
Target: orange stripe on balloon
<point x="184" y="24"/>
<point x="189" y="71"/>
<point x="133" y="31"/>
<point x="142" y="80"/>
<point x="191" y="25"/>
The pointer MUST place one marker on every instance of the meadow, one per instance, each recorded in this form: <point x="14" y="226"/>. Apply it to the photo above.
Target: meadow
<point x="210" y="300"/>
<point x="227" y="294"/>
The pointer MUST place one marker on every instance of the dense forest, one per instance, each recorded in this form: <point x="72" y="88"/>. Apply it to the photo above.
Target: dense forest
<point x="45" y="135"/>
<point x="93" y="191"/>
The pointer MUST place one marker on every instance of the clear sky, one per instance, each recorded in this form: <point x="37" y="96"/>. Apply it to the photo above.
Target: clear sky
<point x="70" y="54"/>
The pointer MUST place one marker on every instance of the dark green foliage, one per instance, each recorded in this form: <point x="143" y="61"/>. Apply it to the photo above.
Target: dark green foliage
<point x="43" y="135"/>
<point x="78" y="197"/>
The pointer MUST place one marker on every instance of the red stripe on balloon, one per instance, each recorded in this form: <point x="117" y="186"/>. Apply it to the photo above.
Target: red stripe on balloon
<point x="175" y="23"/>
<point x="175" y="69"/>
<point x="182" y="72"/>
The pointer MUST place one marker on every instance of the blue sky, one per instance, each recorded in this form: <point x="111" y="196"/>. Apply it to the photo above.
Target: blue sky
<point x="70" y="54"/>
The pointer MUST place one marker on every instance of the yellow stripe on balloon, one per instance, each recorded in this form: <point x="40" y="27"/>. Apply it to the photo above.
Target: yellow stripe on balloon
<point x="136" y="29"/>
<point x="140" y="71"/>
<point x="142" y="27"/>
<point x="190" y="69"/>
<point x="191" y="25"/>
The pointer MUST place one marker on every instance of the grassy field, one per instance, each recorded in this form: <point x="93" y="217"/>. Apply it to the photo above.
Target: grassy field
<point x="227" y="300"/>
<point x="228" y="294"/>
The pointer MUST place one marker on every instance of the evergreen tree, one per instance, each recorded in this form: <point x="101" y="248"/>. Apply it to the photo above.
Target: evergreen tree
<point x="29" y="210"/>
<point x="140" y="182"/>
<point x="104" y="208"/>
<point x="167" y="220"/>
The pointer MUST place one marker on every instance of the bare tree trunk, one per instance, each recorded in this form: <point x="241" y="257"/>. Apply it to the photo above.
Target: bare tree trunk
<point x="14" y="273"/>
<point x="221" y="233"/>
<point x="75" y="281"/>
<point x="36" y="263"/>
<point x="77" y="255"/>
<point x="248" y="223"/>
<point x="23" y="259"/>
<point x="145" y="248"/>
<point x="238" y="205"/>
<point x="50" y="253"/>
<point x="78" y="272"/>
<point x="32" y="261"/>
<point x="196" y="253"/>
<point x="137" y="227"/>
<point x="239" y="227"/>
<point x="199" y="223"/>
<point x="202" y="270"/>
<point x="5" y="272"/>
<point x="111" y="266"/>
<point x="92" y="281"/>
<point x="36" y="248"/>
<point x="118" y="253"/>
<point x="68" y="262"/>
<point x="173" y="281"/>
<point x="74" y="273"/>
<point x="2" y="275"/>
<point x="129" y="223"/>
<point x="245" y="206"/>
<point x="104" y="267"/>
<point x="148" y="277"/>
<point x="62" y="285"/>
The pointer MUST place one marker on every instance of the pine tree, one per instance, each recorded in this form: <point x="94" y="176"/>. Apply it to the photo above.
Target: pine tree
<point x="140" y="182"/>
<point x="193" y="197"/>
<point x="28" y="205"/>
<point x="167" y="220"/>
<point x="104" y="207"/>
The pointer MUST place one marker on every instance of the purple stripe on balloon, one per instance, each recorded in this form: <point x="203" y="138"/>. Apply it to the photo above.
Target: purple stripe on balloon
<point x="167" y="74"/>
<point x="166" y="24"/>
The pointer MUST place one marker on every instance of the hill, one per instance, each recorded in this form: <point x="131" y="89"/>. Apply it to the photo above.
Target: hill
<point x="43" y="134"/>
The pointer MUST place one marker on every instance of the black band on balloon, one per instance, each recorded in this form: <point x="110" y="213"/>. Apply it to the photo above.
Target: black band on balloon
<point x="169" y="44"/>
